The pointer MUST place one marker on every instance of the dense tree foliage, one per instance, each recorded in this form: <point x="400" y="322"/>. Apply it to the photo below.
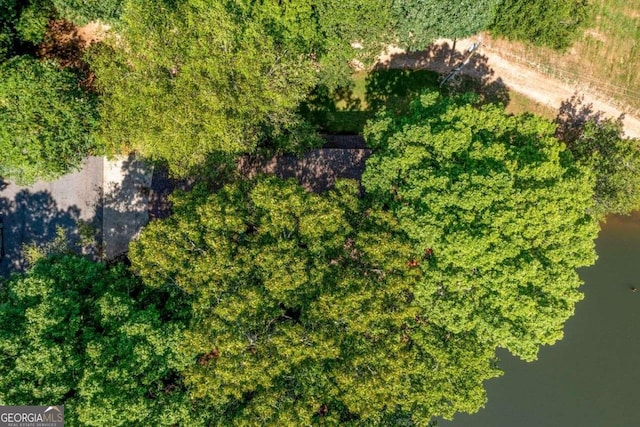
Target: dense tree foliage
<point x="31" y="25"/>
<point x="326" y="30"/>
<point x="418" y="23"/>
<point x="25" y="22"/>
<point x="22" y="25"/>
<point x="81" y="12"/>
<point x="75" y="332"/>
<point x="615" y="161"/>
<point x="598" y="142"/>
<point x="500" y="211"/>
<point x="181" y="82"/>
<point x="261" y="303"/>
<point x="542" y="22"/>
<point x="304" y="310"/>
<point x="45" y="120"/>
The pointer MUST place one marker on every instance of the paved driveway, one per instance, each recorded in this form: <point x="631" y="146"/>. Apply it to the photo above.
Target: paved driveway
<point x="105" y="199"/>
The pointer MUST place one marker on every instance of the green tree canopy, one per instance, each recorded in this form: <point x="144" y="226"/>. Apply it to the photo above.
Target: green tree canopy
<point x="304" y="310"/>
<point x="22" y="25"/>
<point x="615" y="161"/>
<point x="45" y="120"/>
<point x="81" y="12"/>
<point x="184" y="81"/>
<point x="75" y="332"/>
<point x="542" y="22"/>
<point x="418" y="23"/>
<point x="498" y="208"/>
<point x="326" y="30"/>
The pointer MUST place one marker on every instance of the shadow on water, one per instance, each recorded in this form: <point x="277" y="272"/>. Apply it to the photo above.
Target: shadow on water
<point x="393" y="84"/>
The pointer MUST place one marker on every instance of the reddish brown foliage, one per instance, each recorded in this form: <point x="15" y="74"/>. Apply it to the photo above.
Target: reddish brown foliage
<point x="205" y="359"/>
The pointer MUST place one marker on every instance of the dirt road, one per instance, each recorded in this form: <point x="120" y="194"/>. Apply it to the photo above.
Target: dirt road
<point x="489" y="66"/>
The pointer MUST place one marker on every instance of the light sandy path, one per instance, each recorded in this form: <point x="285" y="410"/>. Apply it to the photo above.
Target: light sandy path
<point x="93" y="32"/>
<point x="533" y="84"/>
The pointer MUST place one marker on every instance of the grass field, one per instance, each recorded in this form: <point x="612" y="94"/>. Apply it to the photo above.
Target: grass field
<point x="606" y="57"/>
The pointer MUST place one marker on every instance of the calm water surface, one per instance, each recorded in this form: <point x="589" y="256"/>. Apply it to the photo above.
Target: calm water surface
<point x="592" y="377"/>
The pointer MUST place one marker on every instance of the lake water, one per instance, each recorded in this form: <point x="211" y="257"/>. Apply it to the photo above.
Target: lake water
<point x="592" y="377"/>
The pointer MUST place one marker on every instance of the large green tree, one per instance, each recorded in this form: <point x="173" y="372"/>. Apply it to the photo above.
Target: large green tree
<point x="79" y="333"/>
<point x="500" y="211"/>
<point x="187" y="80"/>
<point x="542" y="22"/>
<point x="81" y="12"/>
<point x="23" y="25"/>
<point x="46" y="120"/>
<point x="418" y="23"/>
<point x="304" y="310"/>
<point x="615" y="161"/>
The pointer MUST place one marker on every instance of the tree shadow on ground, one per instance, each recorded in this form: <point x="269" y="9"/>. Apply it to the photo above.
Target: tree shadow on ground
<point x="474" y="76"/>
<point x="572" y="117"/>
<point x="162" y="186"/>
<point x="63" y="44"/>
<point x="33" y="218"/>
<point x="316" y="170"/>
<point x="322" y="109"/>
<point x="124" y="204"/>
<point x="394" y="89"/>
<point x="393" y="84"/>
<point x="346" y="110"/>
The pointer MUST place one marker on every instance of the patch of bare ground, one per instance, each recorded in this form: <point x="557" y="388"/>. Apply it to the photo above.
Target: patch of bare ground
<point x="520" y="77"/>
<point x="93" y="32"/>
<point x="595" y="34"/>
<point x="632" y="13"/>
<point x="66" y="43"/>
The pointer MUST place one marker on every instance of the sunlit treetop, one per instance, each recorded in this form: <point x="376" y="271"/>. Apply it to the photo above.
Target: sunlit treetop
<point x="499" y="213"/>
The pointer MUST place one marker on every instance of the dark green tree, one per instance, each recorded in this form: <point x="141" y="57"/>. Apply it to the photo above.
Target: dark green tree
<point x="75" y="332"/>
<point x="31" y="25"/>
<point x="418" y="23"/>
<point x="81" y="12"/>
<point x="304" y="310"/>
<point x="23" y="25"/>
<point x="45" y="120"/>
<point x="615" y="161"/>
<point x="498" y="208"/>
<point x="599" y="143"/>
<point x="542" y="22"/>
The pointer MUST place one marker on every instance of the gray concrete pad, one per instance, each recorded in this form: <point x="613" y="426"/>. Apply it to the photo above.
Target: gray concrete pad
<point x="111" y="200"/>
<point x="127" y="184"/>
